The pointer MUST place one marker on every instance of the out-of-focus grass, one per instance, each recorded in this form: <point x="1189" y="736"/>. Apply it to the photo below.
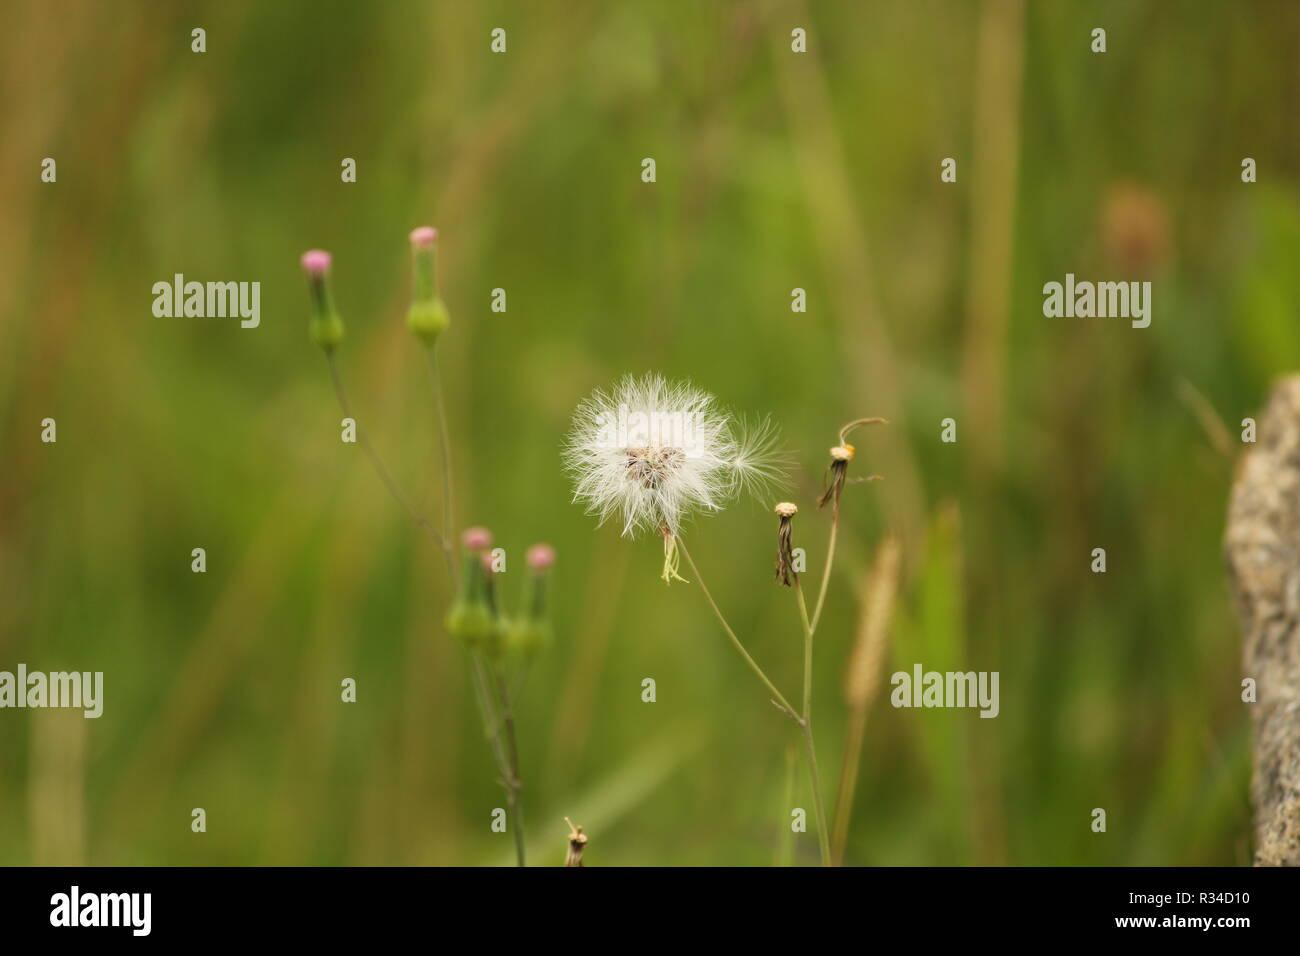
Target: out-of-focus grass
<point x="819" y="171"/>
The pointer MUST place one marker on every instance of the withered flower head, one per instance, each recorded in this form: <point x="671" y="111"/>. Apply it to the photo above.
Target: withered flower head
<point x="841" y="455"/>
<point x="577" y="843"/>
<point x="785" y="572"/>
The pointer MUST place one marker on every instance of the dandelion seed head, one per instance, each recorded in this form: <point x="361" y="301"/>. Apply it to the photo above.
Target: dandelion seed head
<point x="651" y="453"/>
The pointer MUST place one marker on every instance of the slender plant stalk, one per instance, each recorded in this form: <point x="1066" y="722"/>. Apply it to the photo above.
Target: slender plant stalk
<point x="514" y="785"/>
<point x="823" y="842"/>
<point x="778" y="698"/>
<point x="384" y="474"/>
<point x="835" y="518"/>
<point x="504" y="753"/>
<point x="487" y="709"/>
<point x="810" y="627"/>
<point x="830" y="560"/>
<point x="785" y="845"/>
<point x="814" y="777"/>
<point x="490" y="684"/>
<point x="444" y="441"/>
<point x="807" y="650"/>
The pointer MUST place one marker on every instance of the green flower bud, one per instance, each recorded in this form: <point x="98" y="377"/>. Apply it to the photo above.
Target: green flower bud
<point x="428" y="319"/>
<point x="530" y="633"/>
<point x="428" y="316"/>
<point x="527" y="638"/>
<point x="325" y="325"/>
<point x="327" y="332"/>
<point x="473" y="618"/>
<point x="473" y="625"/>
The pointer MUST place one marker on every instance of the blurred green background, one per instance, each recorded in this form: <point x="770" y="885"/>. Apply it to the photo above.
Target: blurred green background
<point x="775" y="170"/>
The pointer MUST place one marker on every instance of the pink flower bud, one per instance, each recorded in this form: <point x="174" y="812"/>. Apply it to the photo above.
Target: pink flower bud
<point x="540" y="557"/>
<point x="424" y="237"/>
<point x="477" y="538"/>
<point x="316" y="262"/>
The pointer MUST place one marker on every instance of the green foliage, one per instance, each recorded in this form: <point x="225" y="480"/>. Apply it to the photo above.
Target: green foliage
<point x="1119" y="690"/>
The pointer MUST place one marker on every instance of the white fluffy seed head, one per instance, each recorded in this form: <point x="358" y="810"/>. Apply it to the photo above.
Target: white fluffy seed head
<point x="652" y="453"/>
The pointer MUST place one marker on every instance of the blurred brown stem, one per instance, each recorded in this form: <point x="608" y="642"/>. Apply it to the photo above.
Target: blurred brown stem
<point x="862" y="678"/>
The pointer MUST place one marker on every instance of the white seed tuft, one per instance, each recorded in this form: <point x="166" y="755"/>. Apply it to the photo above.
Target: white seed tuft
<point x="653" y="453"/>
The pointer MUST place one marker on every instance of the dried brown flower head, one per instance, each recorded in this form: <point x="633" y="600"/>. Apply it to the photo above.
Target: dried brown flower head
<point x="841" y="455"/>
<point x="785" y="572"/>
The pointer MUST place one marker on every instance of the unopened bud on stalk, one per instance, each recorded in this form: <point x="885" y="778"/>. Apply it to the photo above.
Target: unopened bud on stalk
<point x="540" y="557"/>
<point x="326" y="327"/>
<point x="530" y="632"/>
<point x="472" y="618"/>
<point x="488" y="564"/>
<point x="428" y="316"/>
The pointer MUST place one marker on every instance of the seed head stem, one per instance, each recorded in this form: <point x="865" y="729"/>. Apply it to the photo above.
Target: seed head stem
<point x="830" y="561"/>
<point x="777" y="697"/>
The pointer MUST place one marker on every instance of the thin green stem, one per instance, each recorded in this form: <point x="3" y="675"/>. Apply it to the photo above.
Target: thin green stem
<point x="382" y="470"/>
<point x="514" y="784"/>
<point x="490" y="689"/>
<point x="784" y="855"/>
<point x="444" y="442"/>
<point x="777" y="697"/>
<point x="822" y="840"/>
<point x="830" y="560"/>
<point x="822" y="824"/>
<point x="835" y="519"/>
<point x="807" y="649"/>
<point x="487" y="710"/>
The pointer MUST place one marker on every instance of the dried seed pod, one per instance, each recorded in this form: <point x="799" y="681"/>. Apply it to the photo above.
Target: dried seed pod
<point x="785" y="572"/>
<point x="577" y="843"/>
<point x="841" y="455"/>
